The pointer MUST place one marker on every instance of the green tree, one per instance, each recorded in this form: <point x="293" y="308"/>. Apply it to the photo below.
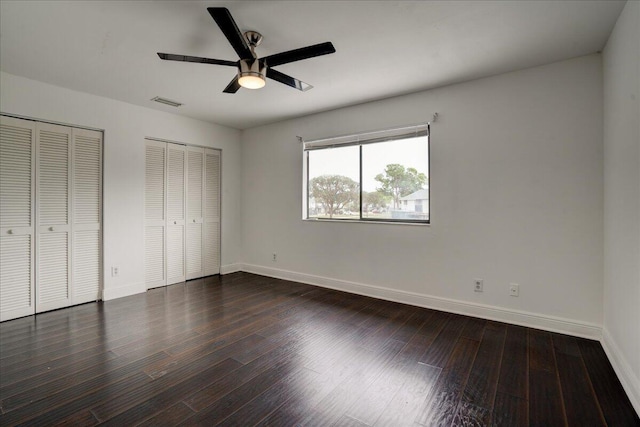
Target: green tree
<point x="334" y="192"/>
<point x="374" y="200"/>
<point x="398" y="182"/>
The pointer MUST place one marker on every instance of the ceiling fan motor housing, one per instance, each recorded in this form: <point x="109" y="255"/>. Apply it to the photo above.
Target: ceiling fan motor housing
<point x="251" y="73"/>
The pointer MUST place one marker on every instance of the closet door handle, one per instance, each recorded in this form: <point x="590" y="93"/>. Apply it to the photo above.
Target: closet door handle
<point x="51" y="229"/>
<point x="9" y="231"/>
<point x="175" y="222"/>
<point x="194" y="220"/>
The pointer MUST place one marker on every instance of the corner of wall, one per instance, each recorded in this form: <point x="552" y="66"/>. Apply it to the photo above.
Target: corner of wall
<point x="630" y="382"/>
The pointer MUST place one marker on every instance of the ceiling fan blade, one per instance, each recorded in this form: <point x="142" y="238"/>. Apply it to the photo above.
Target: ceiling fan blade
<point x="225" y="21"/>
<point x="197" y="59"/>
<point x="288" y="80"/>
<point x="233" y="86"/>
<point x="299" y="54"/>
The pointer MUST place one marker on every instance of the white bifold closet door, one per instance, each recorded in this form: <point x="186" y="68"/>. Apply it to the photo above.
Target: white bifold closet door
<point x="53" y="214"/>
<point x="17" y="217"/>
<point x="51" y="187"/>
<point x="182" y="213"/>
<point x="86" y="256"/>
<point x="195" y="217"/>
<point x="176" y="155"/>
<point x="211" y="231"/>
<point x="155" y="218"/>
<point x="68" y="214"/>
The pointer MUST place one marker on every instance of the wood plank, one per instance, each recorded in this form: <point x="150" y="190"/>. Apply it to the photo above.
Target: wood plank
<point x="171" y="416"/>
<point x="545" y="399"/>
<point x="473" y="329"/>
<point x="615" y="404"/>
<point x="440" y="407"/>
<point x="476" y="405"/>
<point x="515" y="362"/>
<point x="509" y="411"/>
<point x="143" y="402"/>
<point x="445" y="342"/>
<point x="220" y="409"/>
<point x="374" y="400"/>
<point x="405" y="404"/>
<point x="265" y="403"/>
<point x="335" y="404"/>
<point x="582" y="408"/>
<point x="200" y="399"/>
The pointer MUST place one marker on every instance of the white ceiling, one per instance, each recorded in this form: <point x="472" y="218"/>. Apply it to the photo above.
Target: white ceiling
<point x="383" y="48"/>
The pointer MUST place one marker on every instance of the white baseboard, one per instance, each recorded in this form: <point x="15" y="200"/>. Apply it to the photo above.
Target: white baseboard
<point x="523" y="318"/>
<point x="627" y="377"/>
<point x="230" y="268"/>
<point x="123" y="291"/>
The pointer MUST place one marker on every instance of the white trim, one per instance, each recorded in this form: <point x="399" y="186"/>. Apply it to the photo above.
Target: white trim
<point x="113" y="292"/>
<point x="516" y="317"/>
<point x="630" y="382"/>
<point x="231" y="268"/>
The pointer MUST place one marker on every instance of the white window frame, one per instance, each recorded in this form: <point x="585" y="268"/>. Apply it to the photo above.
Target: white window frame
<point x="361" y="139"/>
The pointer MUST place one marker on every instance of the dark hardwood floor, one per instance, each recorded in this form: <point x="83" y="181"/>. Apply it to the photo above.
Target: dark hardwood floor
<point x="249" y="350"/>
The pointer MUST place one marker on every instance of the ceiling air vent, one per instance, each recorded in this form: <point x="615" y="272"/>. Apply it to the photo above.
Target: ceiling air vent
<point x="166" y="101"/>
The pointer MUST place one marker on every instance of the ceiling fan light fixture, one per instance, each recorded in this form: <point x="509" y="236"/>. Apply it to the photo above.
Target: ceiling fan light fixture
<point x="251" y="73"/>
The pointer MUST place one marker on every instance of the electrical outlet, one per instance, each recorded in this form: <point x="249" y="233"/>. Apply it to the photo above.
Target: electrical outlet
<point x="514" y="289"/>
<point x="115" y="271"/>
<point x="274" y="257"/>
<point x="478" y="284"/>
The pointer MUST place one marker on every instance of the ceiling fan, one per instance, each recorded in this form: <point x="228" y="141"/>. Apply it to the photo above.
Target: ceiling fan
<point x="251" y="69"/>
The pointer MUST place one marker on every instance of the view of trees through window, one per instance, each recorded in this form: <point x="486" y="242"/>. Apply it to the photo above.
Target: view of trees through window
<point x="386" y="181"/>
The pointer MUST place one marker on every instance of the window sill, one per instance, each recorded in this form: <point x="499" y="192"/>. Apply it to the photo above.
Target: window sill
<point x="359" y="221"/>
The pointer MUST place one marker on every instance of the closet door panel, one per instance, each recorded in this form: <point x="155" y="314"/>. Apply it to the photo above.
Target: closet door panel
<point x="176" y="155"/>
<point x="17" y="190"/>
<point x="155" y="220"/>
<point x="195" y="177"/>
<point x="87" y="215"/>
<point x="53" y="251"/>
<point x="154" y="256"/>
<point x="16" y="276"/>
<point x="53" y="271"/>
<point x="87" y="263"/>
<point x="212" y="213"/>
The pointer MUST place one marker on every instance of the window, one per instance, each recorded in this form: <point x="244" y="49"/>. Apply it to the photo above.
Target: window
<point x="377" y="176"/>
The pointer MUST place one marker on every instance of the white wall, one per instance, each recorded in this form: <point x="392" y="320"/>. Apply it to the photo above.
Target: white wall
<point x="125" y="127"/>
<point x="516" y="196"/>
<point x="621" y="331"/>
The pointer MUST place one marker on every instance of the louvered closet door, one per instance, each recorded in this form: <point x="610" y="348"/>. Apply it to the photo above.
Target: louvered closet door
<point x="87" y="215"/>
<point x="212" y="212"/>
<point x="53" y="213"/>
<point x="195" y="177"/>
<point x="17" y="190"/>
<point x="154" y="230"/>
<point x="176" y="155"/>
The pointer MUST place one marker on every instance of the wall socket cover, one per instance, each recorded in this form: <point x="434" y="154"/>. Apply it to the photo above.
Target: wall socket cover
<point x="514" y="289"/>
<point x="478" y="285"/>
